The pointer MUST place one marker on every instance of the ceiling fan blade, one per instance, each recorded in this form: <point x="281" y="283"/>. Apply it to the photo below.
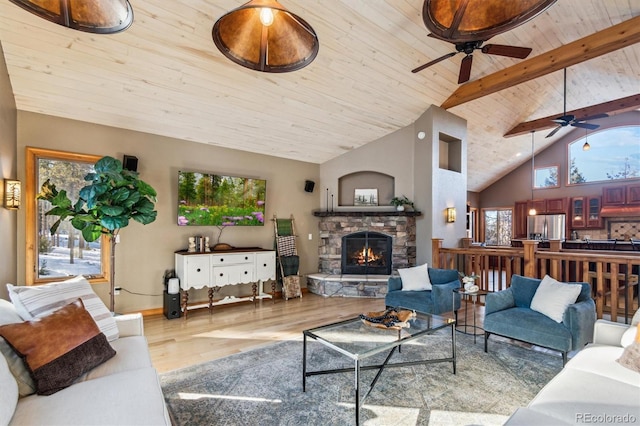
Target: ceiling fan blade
<point x="435" y="61"/>
<point x="593" y="117"/>
<point x="554" y="131"/>
<point x="586" y="126"/>
<point x="465" y="69"/>
<point x="510" y="51"/>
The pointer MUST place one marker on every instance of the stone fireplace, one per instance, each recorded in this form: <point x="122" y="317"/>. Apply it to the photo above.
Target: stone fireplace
<point x="391" y="232"/>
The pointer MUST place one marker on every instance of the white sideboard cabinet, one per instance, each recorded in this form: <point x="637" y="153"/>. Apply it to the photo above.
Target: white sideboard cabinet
<point x="217" y="269"/>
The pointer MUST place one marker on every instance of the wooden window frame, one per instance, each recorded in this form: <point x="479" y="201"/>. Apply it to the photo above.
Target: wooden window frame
<point x="31" y="227"/>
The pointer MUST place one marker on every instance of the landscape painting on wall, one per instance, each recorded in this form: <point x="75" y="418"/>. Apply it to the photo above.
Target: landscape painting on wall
<point x="218" y="200"/>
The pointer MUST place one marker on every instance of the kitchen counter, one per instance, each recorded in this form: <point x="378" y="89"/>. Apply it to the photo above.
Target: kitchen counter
<point x="587" y="245"/>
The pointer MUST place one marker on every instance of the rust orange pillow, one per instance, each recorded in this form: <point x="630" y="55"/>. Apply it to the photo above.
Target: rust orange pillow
<point x="60" y="347"/>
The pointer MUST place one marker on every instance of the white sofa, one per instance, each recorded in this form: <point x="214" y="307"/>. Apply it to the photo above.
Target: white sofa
<point x="591" y="389"/>
<point x="124" y="390"/>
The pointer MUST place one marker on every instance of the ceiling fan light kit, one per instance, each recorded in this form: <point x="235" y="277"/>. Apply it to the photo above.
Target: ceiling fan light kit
<point x="469" y="23"/>
<point x="263" y="35"/>
<point x="99" y="17"/>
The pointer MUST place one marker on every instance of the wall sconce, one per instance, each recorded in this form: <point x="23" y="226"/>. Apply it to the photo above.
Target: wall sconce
<point x="451" y="214"/>
<point x="12" y="190"/>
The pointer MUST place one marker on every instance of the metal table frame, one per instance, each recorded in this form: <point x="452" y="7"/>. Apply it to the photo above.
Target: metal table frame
<point x="475" y="298"/>
<point x="359" y="358"/>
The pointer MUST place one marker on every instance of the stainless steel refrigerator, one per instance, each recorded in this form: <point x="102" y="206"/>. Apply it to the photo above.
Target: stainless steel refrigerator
<point x="546" y="227"/>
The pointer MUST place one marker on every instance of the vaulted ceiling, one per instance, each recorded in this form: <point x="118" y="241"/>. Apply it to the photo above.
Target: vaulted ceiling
<point x="165" y="76"/>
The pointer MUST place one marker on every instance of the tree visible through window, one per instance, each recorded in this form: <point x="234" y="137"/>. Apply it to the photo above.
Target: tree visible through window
<point x="497" y="227"/>
<point x="613" y="154"/>
<point x="64" y="253"/>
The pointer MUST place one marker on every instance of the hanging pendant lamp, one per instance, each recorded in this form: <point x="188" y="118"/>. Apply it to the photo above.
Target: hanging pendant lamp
<point x="91" y="16"/>
<point x="263" y="35"/>
<point x="586" y="146"/>
<point x="532" y="210"/>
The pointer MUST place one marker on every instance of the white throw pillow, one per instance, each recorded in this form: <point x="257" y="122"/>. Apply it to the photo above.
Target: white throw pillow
<point x="416" y="278"/>
<point x="552" y="297"/>
<point x="629" y="336"/>
<point x="33" y="302"/>
<point x="9" y="388"/>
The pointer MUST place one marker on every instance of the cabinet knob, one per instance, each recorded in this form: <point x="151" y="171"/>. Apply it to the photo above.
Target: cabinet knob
<point x="198" y="270"/>
<point x="221" y="274"/>
<point x="265" y="265"/>
<point x="246" y="258"/>
<point x="246" y="272"/>
<point x="221" y="259"/>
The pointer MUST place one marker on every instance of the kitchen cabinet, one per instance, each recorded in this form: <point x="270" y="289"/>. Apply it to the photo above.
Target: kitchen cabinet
<point x="556" y="206"/>
<point x="540" y="205"/>
<point x="614" y="196"/>
<point x="594" y="220"/>
<point x="585" y="213"/>
<point x="577" y="213"/>
<point x="520" y="213"/>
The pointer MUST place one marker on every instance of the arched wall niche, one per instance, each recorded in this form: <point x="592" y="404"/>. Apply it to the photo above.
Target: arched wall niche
<point x="348" y="184"/>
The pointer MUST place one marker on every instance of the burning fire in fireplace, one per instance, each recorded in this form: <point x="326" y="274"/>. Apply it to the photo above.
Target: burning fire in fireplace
<point x="366" y="255"/>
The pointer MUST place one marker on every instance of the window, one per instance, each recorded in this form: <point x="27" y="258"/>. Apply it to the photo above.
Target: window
<point x="546" y="177"/>
<point x="612" y="154"/>
<point x="65" y="253"/>
<point x="497" y="227"/>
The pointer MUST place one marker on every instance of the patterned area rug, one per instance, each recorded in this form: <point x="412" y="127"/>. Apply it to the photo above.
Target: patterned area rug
<point x="264" y="386"/>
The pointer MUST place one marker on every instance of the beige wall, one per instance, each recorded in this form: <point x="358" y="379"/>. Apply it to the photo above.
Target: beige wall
<point x="8" y="218"/>
<point x="145" y="252"/>
<point x="516" y="186"/>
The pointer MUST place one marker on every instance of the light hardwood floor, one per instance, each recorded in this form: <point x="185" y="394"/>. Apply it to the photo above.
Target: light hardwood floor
<point x="231" y="329"/>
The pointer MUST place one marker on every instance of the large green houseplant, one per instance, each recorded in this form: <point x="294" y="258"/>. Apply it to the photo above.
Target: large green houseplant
<point x="112" y="198"/>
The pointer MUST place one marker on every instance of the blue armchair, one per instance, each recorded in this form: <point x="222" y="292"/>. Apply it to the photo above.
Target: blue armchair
<point x="436" y="301"/>
<point x="508" y="314"/>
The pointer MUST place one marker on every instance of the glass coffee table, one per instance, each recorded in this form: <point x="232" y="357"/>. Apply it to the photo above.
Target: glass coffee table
<point x="360" y="341"/>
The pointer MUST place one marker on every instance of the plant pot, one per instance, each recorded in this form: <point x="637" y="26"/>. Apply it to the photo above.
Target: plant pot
<point x="400" y="208"/>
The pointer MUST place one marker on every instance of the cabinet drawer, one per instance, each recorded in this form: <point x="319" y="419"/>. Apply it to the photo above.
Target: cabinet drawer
<point x="232" y="259"/>
<point x="233" y="274"/>
<point x="196" y="272"/>
<point x="266" y="266"/>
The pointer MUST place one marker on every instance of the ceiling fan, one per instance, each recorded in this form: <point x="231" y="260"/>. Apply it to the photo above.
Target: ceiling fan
<point x="468" y="47"/>
<point x="570" y="119"/>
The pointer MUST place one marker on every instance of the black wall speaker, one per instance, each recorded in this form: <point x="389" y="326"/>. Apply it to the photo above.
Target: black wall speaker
<point x="129" y="162"/>
<point x="171" y="305"/>
<point x="308" y="185"/>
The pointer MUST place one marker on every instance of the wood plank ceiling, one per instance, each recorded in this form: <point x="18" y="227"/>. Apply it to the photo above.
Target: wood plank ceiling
<point x="165" y="76"/>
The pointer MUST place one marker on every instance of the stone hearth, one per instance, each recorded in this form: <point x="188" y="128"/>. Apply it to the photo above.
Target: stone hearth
<point x="401" y="226"/>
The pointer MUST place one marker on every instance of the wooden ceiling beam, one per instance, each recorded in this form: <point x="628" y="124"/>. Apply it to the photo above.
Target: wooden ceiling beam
<point x="628" y="103"/>
<point x="608" y="40"/>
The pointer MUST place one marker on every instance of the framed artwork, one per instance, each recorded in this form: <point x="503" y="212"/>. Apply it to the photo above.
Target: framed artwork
<point x="365" y="197"/>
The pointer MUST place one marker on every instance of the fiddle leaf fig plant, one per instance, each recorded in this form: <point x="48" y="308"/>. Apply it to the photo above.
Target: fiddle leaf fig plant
<point x="112" y="197"/>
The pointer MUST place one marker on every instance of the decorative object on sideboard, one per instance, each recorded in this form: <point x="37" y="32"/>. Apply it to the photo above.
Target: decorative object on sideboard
<point x="401" y="202"/>
<point x="113" y="197"/>
<point x="198" y="244"/>
<point x="263" y="35"/>
<point x="12" y="193"/>
<point x="98" y="17"/>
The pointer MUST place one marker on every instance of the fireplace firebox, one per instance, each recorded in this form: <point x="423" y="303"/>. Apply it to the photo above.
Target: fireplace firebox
<point x="367" y="253"/>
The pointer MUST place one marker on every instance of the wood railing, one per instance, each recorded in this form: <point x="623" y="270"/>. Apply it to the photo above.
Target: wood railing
<point x="613" y="276"/>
